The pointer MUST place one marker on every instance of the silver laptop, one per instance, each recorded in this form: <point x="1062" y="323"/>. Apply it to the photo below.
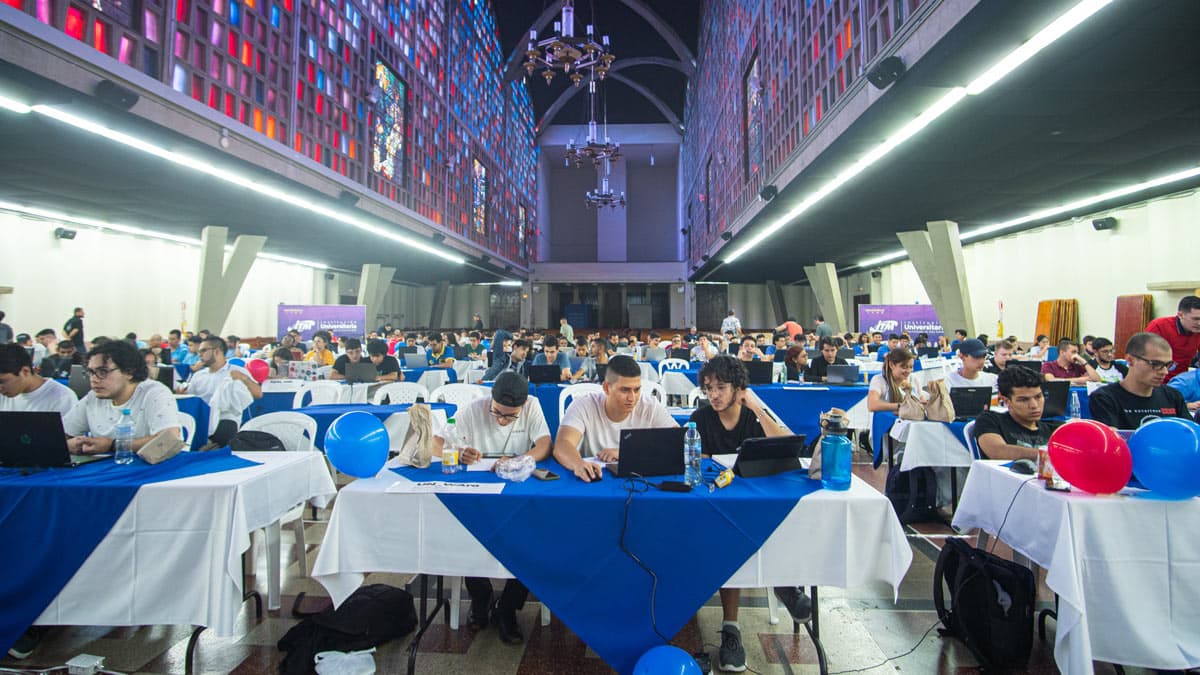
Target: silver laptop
<point x="363" y="371"/>
<point x="415" y="361"/>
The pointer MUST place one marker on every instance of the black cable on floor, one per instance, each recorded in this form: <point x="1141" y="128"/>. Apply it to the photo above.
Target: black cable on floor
<point x="633" y="486"/>
<point x="891" y="658"/>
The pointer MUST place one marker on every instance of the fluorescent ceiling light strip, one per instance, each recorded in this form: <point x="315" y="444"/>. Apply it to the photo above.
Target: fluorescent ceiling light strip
<point x="1043" y="38"/>
<point x="141" y="232"/>
<point x="509" y="282"/>
<point x="13" y="105"/>
<point x="1043" y="214"/>
<point x="239" y="180"/>
<point x="945" y="103"/>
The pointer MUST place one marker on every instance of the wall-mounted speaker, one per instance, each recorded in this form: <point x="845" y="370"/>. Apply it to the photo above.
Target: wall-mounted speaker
<point x="727" y="236"/>
<point x="64" y="233"/>
<point x="876" y="274"/>
<point x="1109" y="223"/>
<point x="886" y="72"/>
<point x="115" y="95"/>
<point x="768" y="192"/>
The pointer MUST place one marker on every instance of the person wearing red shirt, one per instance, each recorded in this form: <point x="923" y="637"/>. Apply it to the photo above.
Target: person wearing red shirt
<point x="1182" y="332"/>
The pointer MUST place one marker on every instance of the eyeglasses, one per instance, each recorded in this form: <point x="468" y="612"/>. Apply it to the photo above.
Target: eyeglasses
<point x="511" y="417"/>
<point x="99" y="373"/>
<point x="1156" y="365"/>
<point x="204" y="350"/>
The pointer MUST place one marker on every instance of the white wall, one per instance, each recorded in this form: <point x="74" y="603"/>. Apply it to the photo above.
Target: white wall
<point x="1153" y="242"/>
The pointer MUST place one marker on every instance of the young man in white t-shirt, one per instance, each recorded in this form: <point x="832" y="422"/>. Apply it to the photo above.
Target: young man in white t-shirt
<point x="22" y="390"/>
<point x="506" y="424"/>
<point x="974" y="356"/>
<point x="118" y="378"/>
<point x="226" y="388"/>
<point x="596" y="420"/>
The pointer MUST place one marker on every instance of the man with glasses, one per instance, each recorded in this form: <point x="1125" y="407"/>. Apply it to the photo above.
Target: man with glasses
<point x="1182" y="333"/>
<point x="1102" y="362"/>
<point x="217" y="383"/>
<point x="507" y="424"/>
<point x="119" y="381"/>
<point x="1141" y="396"/>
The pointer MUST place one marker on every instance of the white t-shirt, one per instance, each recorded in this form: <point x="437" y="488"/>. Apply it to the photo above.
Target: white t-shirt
<point x="205" y="384"/>
<point x="50" y="397"/>
<point x="586" y="415"/>
<point x="1109" y="374"/>
<point x="152" y="406"/>
<point x="982" y="379"/>
<point x="474" y="421"/>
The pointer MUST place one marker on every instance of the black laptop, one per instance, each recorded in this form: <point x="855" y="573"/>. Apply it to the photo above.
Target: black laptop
<point x="1035" y="366"/>
<point x="927" y="352"/>
<point x="460" y="352"/>
<point x="681" y="353"/>
<point x="79" y="382"/>
<point x="1056" y="393"/>
<point x="769" y="456"/>
<point x="601" y="371"/>
<point x="166" y="375"/>
<point x="37" y="439"/>
<point x="970" y="402"/>
<point x="363" y="371"/>
<point x="406" y="349"/>
<point x="759" y="372"/>
<point x="650" y="452"/>
<point x="842" y="375"/>
<point x="845" y="354"/>
<point x="543" y="374"/>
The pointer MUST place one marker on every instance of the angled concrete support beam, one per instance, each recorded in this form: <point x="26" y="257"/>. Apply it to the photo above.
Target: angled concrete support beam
<point x="936" y="254"/>
<point x="775" y="290"/>
<point x="373" y="284"/>
<point x="824" y="281"/>
<point x="221" y="280"/>
<point x="439" y="304"/>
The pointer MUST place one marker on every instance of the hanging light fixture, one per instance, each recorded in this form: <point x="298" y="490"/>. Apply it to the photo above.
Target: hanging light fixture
<point x="575" y="57"/>
<point x="593" y="148"/>
<point x="604" y="196"/>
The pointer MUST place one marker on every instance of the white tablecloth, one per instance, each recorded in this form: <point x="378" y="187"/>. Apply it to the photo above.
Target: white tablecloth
<point x="842" y="539"/>
<point x="175" y="554"/>
<point x="930" y="444"/>
<point x="1126" y="569"/>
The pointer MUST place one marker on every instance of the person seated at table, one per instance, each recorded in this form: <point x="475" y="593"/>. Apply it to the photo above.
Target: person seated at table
<point x="289" y="342"/>
<point x="735" y="413"/>
<point x="588" y="372"/>
<point x="280" y="358"/>
<point x="960" y="334"/>
<point x="1102" y="361"/>
<point x="176" y="345"/>
<point x="119" y="381"/>
<point x="675" y="343"/>
<point x="886" y="391"/>
<point x="581" y="349"/>
<point x="227" y="388"/>
<point x="893" y="342"/>
<point x="439" y="354"/>
<point x="592" y="425"/>
<point x="475" y="349"/>
<point x="507" y="424"/>
<point x="320" y="353"/>
<point x="1040" y="348"/>
<point x="863" y="345"/>
<point x="614" y="341"/>
<point x="553" y="356"/>
<point x="749" y="350"/>
<point x="1000" y="358"/>
<point x="1069" y="365"/>
<point x="692" y="336"/>
<point x="152" y="363"/>
<point x="973" y="354"/>
<point x="387" y="368"/>
<point x="514" y="360"/>
<point x="1141" y="395"/>
<point x="192" y="360"/>
<point x="704" y="350"/>
<point x="819" y="368"/>
<point x="1019" y="432"/>
<point x="354" y="354"/>
<point x="237" y="348"/>
<point x="22" y="390"/>
<point x="1086" y="348"/>
<point x="780" y="348"/>
<point x="795" y="362"/>
<point x="1188" y="384"/>
<point x="59" y="365"/>
<point x="45" y="343"/>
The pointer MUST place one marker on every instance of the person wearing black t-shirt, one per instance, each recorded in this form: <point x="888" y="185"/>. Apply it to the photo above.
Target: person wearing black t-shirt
<point x="1140" y="396"/>
<point x="1018" y="433"/>
<point x="73" y="330"/>
<point x="734" y="414"/>
<point x="819" y="368"/>
<point x="387" y="367"/>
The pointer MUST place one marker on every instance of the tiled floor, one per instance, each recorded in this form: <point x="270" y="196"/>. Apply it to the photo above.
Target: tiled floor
<point x="861" y="628"/>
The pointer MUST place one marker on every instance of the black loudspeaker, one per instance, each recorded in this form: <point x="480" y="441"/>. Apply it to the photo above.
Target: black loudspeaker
<point x="347" y="198"/>
<point x="704" y="257"/>
<point x="115" y="95"/>
<point x="886" y="72"/>
<point x="64" y="233"/>
<point x="727" y="236"/>
<point x="768" y="192"/>
<point x="875" y="274"/>
<point x="1104" y="223"/>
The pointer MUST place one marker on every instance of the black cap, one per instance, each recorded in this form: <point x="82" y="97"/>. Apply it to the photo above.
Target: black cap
<point x="972" y="347"/>
<point x="510" y="389"/>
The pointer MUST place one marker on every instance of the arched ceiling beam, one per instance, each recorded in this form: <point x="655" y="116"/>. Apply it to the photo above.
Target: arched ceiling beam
<point x="650" y="96"/>
<point x="620" y="64"/>
<point x="512" y="68"/>
<point x="667" y="33"/>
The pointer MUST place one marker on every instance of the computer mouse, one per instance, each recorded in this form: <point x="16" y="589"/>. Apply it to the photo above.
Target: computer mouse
<point x="1023" y="466"/>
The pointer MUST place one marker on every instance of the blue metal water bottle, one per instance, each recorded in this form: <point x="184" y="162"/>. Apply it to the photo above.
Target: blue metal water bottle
<point x="835" y="455"/>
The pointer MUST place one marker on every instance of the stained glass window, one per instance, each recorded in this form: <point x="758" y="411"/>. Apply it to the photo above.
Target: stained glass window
<point x="479" y="196"/>
<point x="753" y="124"/>
<point x="387" y="142"/>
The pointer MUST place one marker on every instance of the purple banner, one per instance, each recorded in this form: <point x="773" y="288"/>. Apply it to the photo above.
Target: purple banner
<point x="911" y="319"/>
<point x="340" y="320"/>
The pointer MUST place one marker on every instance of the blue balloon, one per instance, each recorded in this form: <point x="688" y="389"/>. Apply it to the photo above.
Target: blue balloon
<point x="238" y="362"/>
<point x="1166" y="457"/>
<point x="666" y="660"/>
<point x="357" y="444"/>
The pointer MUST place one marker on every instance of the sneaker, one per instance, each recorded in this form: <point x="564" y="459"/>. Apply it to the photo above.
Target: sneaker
<point x="506" y="626"/>
<point x="25" y="644"/>
<point x="732" y="656"/>
<point x="479" y="613"/>
<point x="797" y="603"/>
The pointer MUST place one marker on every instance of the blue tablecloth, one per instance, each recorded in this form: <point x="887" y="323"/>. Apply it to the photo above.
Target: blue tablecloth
<point x="272" y="401"/>
<point x="326" y="414"/>
<point x="800" y="406"/>
<point x="586" y="579"/>
<point x="57" y="517"/>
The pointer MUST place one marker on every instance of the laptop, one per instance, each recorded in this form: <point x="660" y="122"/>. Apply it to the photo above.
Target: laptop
<point x="759" y="372"/>
<point x="769" y="456"/>
<point x="412" y="360"/>
<point x="543" y="374"/>
<point x="79" y="382"/>
<point x="842" y="375"/>
<point x="969" y="402"/>
<point x="407" y="349"/>
<point x="601" y="371"/>
<point x="37" y="439"/>
<point x="650" y="452"/>
<point x="363" y="371"/>
<point x="1035" y="366"/>
<point x="460" y="352"/>
<point x="812" y="353"/>
<point x="685" y="354"/>
<point x="166" y="375"/>
<point x="845" y="354"/>
<point x="1056" y="393"/>
<point x="927" y="352"/>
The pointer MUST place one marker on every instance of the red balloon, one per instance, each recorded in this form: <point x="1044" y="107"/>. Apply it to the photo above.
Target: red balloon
<point x="1091" y="456"/>
<point x="259" y="370"/>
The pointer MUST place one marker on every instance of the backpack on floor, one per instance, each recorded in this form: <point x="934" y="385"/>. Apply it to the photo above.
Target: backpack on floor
<point x="370" y="617"/>
<point x="991" y="604"/>
<point x="913" y="494"/>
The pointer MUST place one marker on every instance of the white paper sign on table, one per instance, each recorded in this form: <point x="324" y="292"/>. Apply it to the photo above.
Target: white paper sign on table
<point x="444" y="487"/>
<point x="483" y="464"/>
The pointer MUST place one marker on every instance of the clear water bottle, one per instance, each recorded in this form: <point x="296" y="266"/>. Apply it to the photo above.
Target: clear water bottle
<point x="691" y="455"/>
<point x="1075" y="407"/>
<point x="123" y="438"/>
<point x="835" y="455"/>
<point x="450" y="448"/>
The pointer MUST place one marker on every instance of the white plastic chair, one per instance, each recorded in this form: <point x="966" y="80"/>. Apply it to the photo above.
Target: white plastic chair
<point x="322" y="392"/>
<point x="694" y="396"/>
<point x="969" y="438"/>
<point x="672" y="364"/>
<point x="400" y="392"/>
<point x="187" y="427"/>
<point x="654" y="390"/>
<point x="574" y="390"/>
<point x="459" y="393"/>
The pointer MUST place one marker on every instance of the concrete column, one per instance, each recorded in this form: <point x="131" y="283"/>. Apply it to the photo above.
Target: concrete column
<point x="611" y="228"/>
<point x="221" y="280"/>
<point x="439" y="304"/>
<point x="775" y="291"/>
<point x="385" y="284"/>
<point x="373" y="284"/>
<point x="542" y="254"/>
<point x="936" y="255"/>
<point x="824" y="281"/>
<point x="689" y="304"/>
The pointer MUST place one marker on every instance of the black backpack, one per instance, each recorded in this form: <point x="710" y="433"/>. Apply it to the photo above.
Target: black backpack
<point x="991" y="604"/>
<point x="370" y="617"/>
<point x="256" y="441"/>
<point x="913" y="494"/>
